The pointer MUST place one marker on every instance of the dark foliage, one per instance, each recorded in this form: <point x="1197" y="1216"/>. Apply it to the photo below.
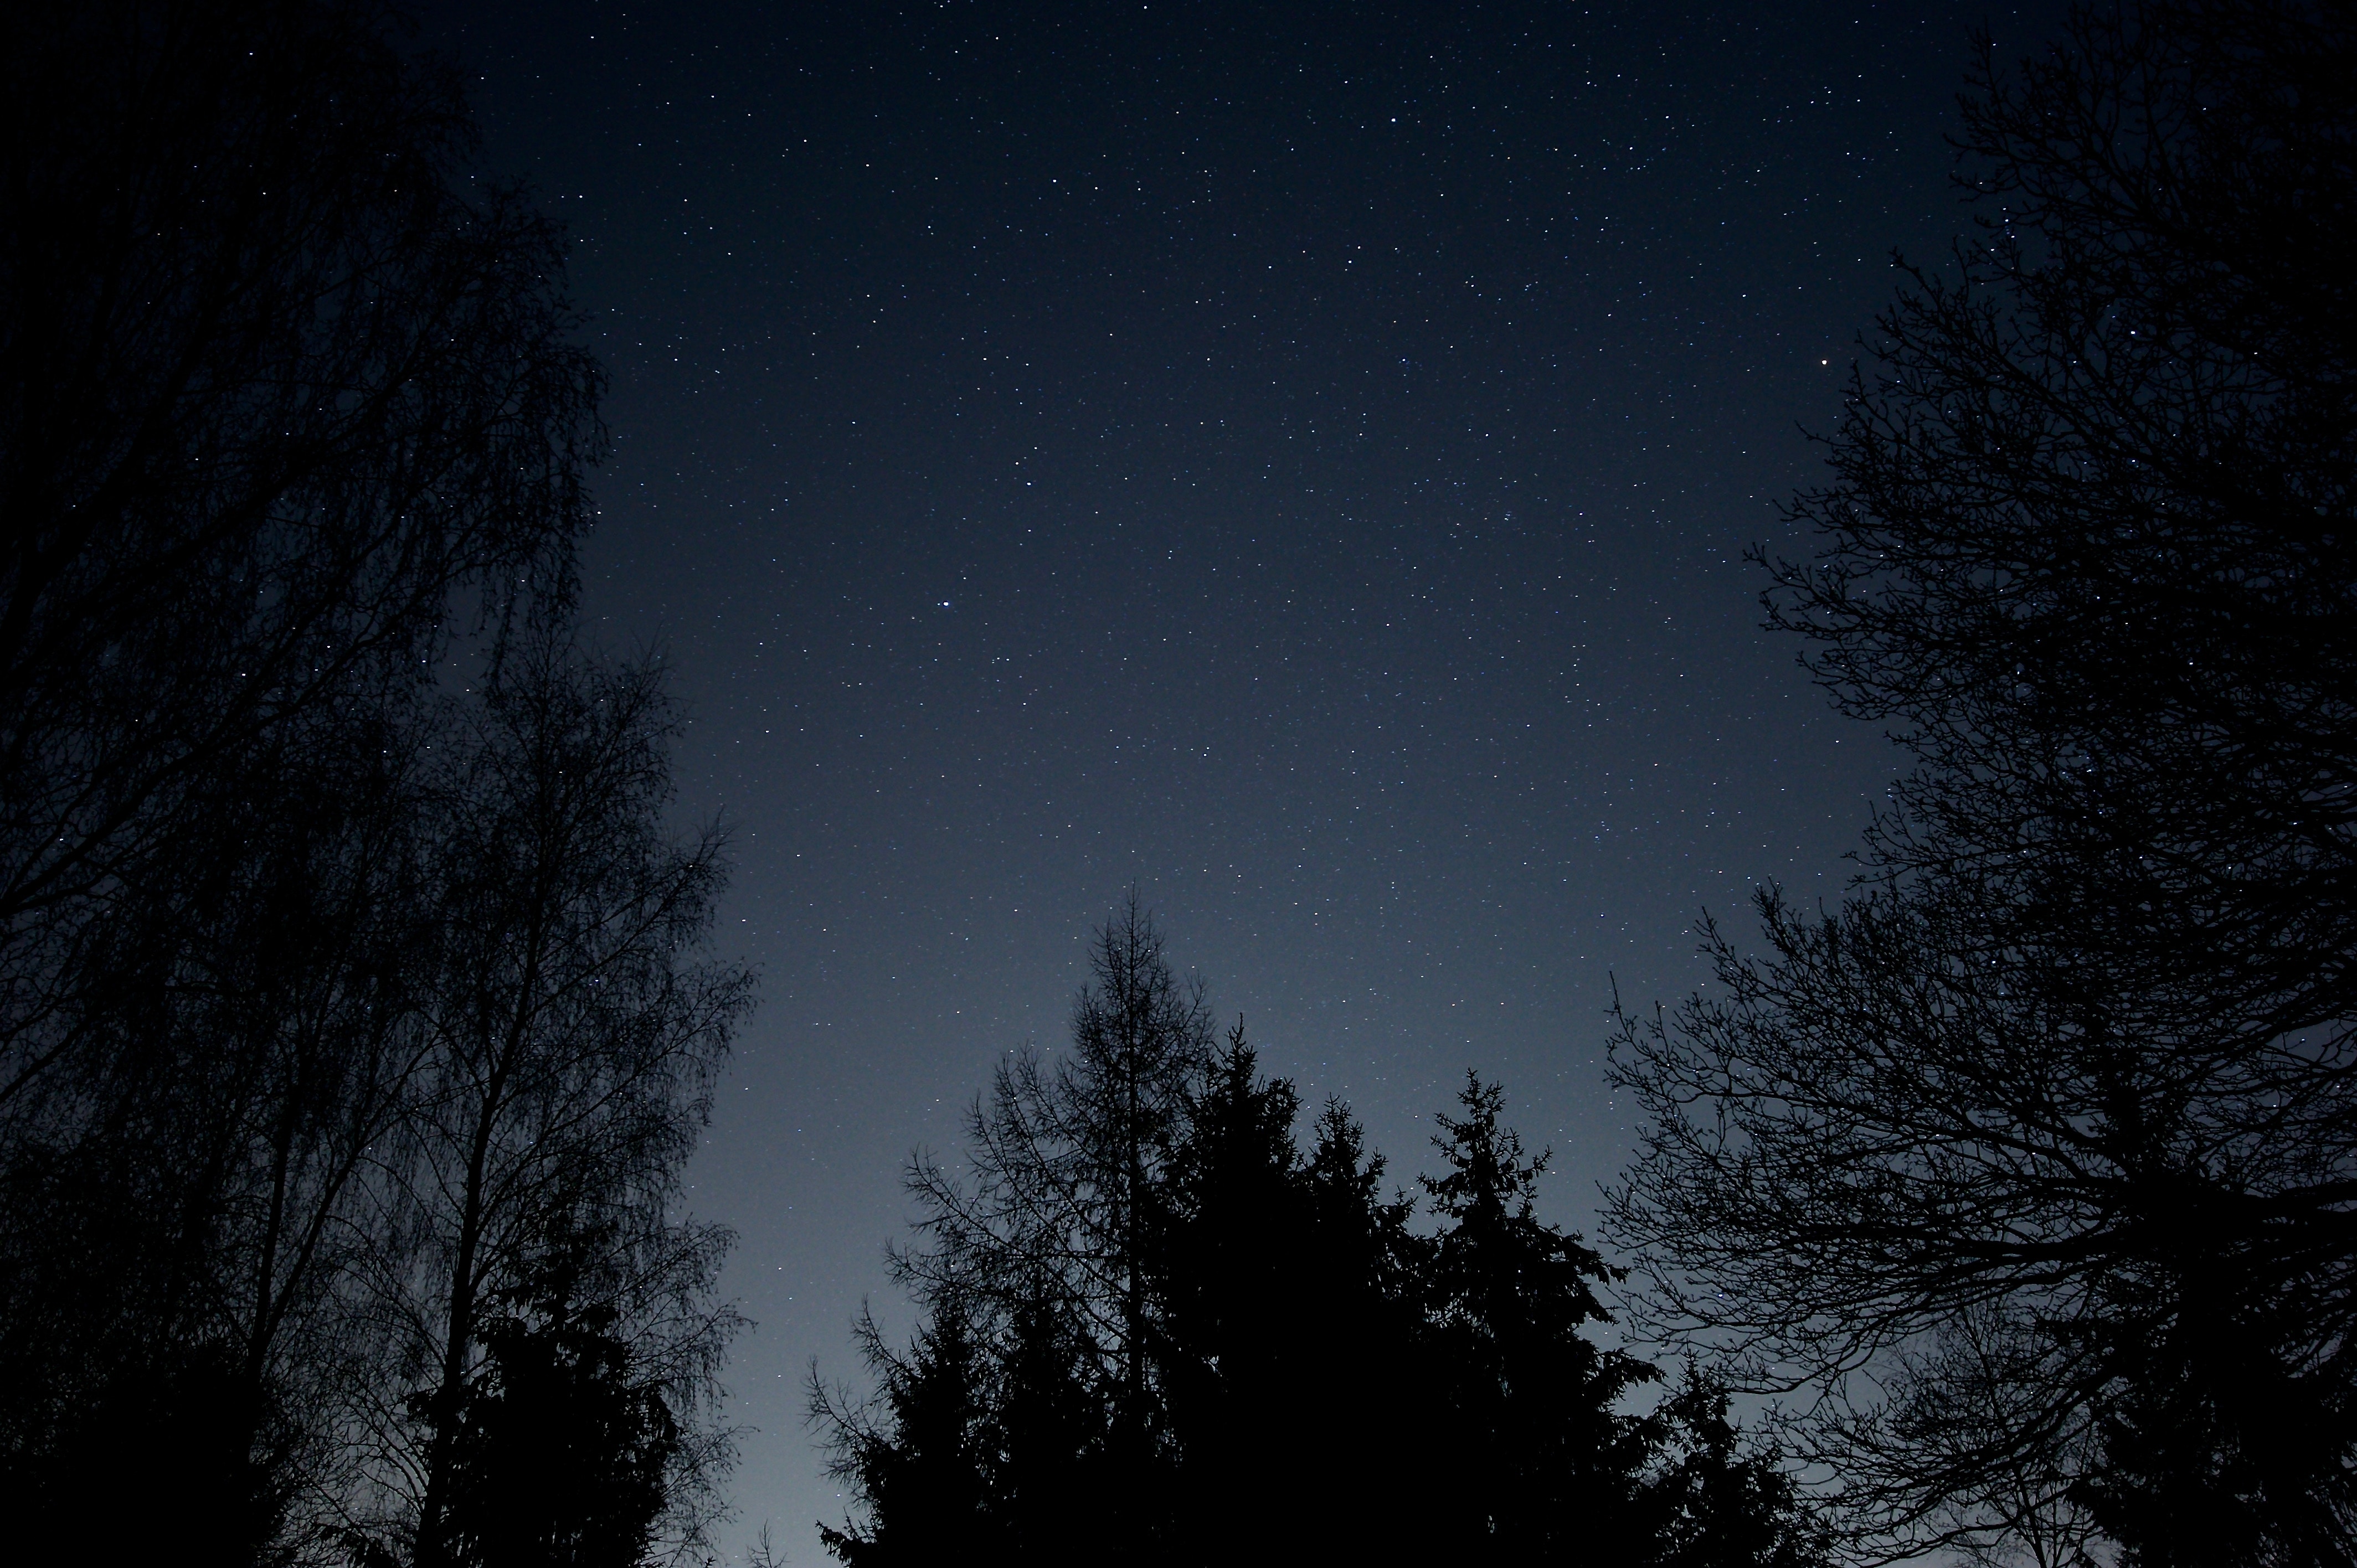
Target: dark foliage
<point x="1538" y="1460"/>
<point x="1717" y="1503"/>
<point x="928" y="1464"/>
<point x="1323" y="1381"/>
<point x="561" y="1453"/>
<point x="178" y="1424"/>
<point x="1287" y="1317"/>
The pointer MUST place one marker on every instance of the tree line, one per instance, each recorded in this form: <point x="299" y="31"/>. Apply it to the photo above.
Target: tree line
<point x="1155" y="1324"/>
<point x="354" y="1022"/>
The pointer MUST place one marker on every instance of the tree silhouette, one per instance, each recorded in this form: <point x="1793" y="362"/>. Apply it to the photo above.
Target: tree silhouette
<point x="196" y="1239"/>
<point x="1714" y="1505"/>
<point x="1306" y="1352"/>
<point x="561" y="1449"/>
<point x="997" y="1442"/>
<point x="1542" y="1465"/>
<point x="1064" y="1485"/>
<point x="1055" y="1224"/>
<point x="1368" y="1368"/>
<point x="1276" y="1326"/>
<point x="574" y="1034"/>
<point x="924" y="1462"/>
<point x="271" y="390"/>
<point x="2034" y="1163"/>
<point x="288" y="402"/>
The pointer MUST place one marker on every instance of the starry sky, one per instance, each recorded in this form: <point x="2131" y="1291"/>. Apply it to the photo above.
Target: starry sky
<point x="1295" y="460"/>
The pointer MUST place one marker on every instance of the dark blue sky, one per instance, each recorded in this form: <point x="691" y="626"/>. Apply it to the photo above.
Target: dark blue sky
<point x="1296" y="459"/>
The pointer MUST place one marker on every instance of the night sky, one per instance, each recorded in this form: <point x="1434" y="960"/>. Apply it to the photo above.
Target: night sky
<point x="1294" y="460"/>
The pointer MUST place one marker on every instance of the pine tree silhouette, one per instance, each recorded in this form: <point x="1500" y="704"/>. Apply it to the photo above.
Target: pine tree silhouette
<point x="1544" y="1469"/>
<point x="560" y="1455"/>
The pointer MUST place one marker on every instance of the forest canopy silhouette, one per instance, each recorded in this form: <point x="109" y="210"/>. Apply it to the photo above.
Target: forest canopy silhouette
<point x="358" y="1012"/>
<point x="1153" y="1318"/>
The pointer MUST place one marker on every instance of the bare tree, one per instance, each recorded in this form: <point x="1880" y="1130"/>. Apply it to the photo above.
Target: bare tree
<point x="289" y="406"/>
<point x="188" y="1207"/>
<point x="1055" y="1210"/>
<point x="2035" y="1165"/>
<point x="571" y="1034"/>
<point x="272" y="388"/>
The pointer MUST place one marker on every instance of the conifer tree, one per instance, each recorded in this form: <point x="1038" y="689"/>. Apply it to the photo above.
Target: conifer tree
<point x="563" y="1442"/>
<point x="1045" y="1243"/>
<point x="1710" y="1503"/>
<point x="1543" y="1466"/>
<point x="920" y="1456"/>
<point x="1236" y="1284"/>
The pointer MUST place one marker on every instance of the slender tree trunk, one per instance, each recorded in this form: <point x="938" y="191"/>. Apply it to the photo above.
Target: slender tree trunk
<point x="433" y="1513"/>
<point x="433" y="1548"/>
